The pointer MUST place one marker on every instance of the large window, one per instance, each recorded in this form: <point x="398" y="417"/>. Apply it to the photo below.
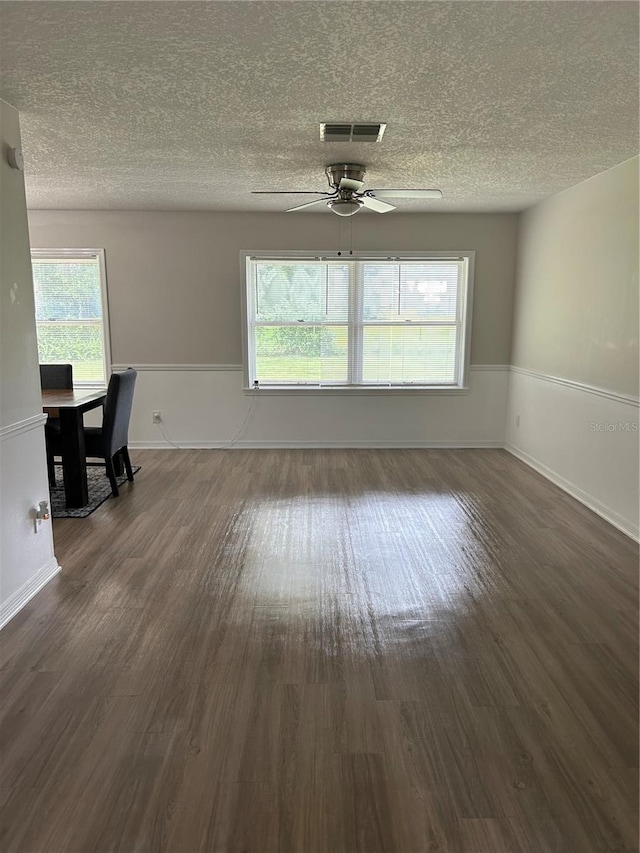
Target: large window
<point x="71" y="312"/>
<point x="360" y="322"/>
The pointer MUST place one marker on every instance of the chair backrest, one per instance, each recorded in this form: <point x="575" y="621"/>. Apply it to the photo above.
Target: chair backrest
<point x="55" y="376"/>
<point x="117" y="411"/>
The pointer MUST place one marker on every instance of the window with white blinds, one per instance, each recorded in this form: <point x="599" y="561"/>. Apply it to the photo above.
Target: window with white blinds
<point x="371" y="321"/>
<point x="71" y="312"/>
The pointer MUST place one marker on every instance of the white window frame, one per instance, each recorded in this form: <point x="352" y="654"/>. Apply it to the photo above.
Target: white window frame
<point x="465" y="312"/>
<point x="88" y="254"/>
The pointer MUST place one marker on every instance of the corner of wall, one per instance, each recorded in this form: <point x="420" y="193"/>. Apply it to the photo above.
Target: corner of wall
<point x="27" y="558"/>
<point x="572" y="423"/>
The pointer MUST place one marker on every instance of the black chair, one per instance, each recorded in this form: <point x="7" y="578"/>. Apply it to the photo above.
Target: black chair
<point x="54" y="377"/>
<point x="110" y="441"/>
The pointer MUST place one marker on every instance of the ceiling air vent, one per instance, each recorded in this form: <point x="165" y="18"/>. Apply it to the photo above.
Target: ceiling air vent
<point x="337" y="131"/>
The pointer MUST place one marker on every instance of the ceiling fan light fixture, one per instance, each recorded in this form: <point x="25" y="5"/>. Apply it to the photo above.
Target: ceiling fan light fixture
<point x="345" y="206"/>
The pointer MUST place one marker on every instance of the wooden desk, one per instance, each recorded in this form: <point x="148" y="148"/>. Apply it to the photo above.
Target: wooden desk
<point x="69" y="406"/>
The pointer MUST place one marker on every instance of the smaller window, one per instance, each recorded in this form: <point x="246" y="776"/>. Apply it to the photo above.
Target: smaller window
<point x="72" y="322"/>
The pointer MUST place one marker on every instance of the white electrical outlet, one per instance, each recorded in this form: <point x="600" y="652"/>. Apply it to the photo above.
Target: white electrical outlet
<point x="156" y="417"/>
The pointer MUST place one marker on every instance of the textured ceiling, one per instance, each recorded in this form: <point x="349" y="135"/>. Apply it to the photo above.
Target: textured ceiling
<point x="191" y="105"/>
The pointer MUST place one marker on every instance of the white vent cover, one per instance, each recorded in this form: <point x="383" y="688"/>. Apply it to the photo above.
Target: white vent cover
<point x="343" y="131"/>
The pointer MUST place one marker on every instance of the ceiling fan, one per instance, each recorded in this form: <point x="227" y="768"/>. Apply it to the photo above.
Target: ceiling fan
<point x="346" y="197"/>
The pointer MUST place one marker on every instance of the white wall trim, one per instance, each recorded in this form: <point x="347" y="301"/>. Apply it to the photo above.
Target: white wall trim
<point x="12" y="430"/>
<point x="178" y="367"/>
<point x="234" y="367"/>
<point x="628" y="399"/>
<point x="570" y="488"/>
<point x="485" y="367"/>
<point x="309" y="445"/>
<point x="25" y="593"/>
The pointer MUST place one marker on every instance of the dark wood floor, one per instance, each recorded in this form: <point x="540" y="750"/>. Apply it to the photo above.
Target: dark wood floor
<point x="336" y="651"/>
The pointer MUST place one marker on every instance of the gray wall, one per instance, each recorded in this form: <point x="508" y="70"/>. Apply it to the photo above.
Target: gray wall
<point x="576" y="307"/>
<point x="173" y="278"/>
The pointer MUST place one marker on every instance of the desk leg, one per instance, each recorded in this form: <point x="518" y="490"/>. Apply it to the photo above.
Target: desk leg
<point x="74" y="462"/>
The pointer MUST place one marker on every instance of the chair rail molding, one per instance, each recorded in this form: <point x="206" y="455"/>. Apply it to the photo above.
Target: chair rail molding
<point x="234" y="367"/>
<point x="160" y="368"/>
<point x="20" y="427"/>
<point x="618" y="396"/>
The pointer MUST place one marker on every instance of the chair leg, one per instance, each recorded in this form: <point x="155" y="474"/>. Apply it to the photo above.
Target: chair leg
<point x="51" y="470"/>
<point x="127" y="463"/>
<point x="111" y="474"/>
<point x="117" y="464"/>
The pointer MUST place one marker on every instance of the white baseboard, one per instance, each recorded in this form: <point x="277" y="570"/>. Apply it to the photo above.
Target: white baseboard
<point x="25" y="593"/>
<point x="309" y="445"/>
<point x="570" y="488"/>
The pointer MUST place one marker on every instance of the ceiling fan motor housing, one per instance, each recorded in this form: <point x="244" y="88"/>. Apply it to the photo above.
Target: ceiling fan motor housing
<point x="337" y="171"/>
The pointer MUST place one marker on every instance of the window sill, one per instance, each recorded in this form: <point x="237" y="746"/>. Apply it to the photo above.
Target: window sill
<point x="365" y="390"/>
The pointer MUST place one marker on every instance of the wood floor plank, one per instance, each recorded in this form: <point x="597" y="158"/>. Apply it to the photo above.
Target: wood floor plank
<point x="314" y="651"/>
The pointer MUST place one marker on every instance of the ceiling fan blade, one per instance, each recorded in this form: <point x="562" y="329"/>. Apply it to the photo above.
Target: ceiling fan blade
<point x="306" y="204"/>
<point x="406" y="193"/>
<point x="350" y="184"/>
<point x="287" y="192"/>
<point x="378" y="206"/>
